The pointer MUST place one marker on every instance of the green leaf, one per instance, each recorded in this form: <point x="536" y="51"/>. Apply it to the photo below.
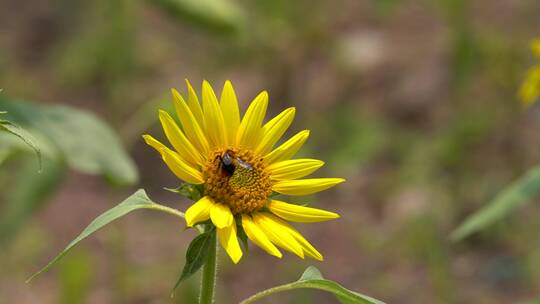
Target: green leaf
<point x="311" y="273"/>
<point x="196" y="255"/>
<point x="22" y="134"/>
<point x="193" y="192"/>
<point x="84" y="141"/>
<point x="510" y="198"/>
<point x="222" y="16"/>
<point x="312" y="278"/>
<point x="139" y="200"/>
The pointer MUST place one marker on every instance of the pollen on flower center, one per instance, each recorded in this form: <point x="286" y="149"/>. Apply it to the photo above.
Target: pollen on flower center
<point x="244" y="185"/>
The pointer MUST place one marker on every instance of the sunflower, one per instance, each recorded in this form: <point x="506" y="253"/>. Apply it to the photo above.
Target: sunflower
<point x="234" y="158"/>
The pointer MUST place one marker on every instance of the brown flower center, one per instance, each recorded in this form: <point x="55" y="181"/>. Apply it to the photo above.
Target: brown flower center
<point x="238" y="179"/>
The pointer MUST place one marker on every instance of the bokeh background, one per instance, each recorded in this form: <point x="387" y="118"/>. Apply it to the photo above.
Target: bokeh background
<point x="414" y="102"/>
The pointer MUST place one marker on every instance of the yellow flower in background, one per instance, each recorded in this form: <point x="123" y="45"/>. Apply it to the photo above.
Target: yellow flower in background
<point x="535" y="47"/>
<point x="234" y="158"/>
<point x="529" y="92"/>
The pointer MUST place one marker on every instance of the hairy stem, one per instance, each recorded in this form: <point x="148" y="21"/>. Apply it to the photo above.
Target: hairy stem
<point x="166" y="209"/>
<point x="209" y="274"/>
<point x="265" y="293"/>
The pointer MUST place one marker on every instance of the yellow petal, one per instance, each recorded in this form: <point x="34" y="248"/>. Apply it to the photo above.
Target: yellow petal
<point x="250" y="131"/>
<point x="180" y="168"/>
<point x="294" y="168"/>
<point x="194" y="105"/>
<point x="258" y="237"/>
<point x="221" y="216"/>
<point x="274" y="129"/>
<point x="191" y="127"/>
<point x="178" y="140"/>
<point x="199" y="212"/>
<point x="154" y="143"/>
<point x="176" y="164"/>
<point x="288" y="149"/>
<point x="305" y="186"/>
<point x="306" y="246"/>
<point x="231" y="114"/>
<point x="228" y="240"/>
<point x="213" y="118"/>
<point x="277" y="233"/>
<point x="301" y="214"/>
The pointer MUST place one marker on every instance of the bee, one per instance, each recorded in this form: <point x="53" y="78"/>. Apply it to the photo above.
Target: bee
<point x="230" y="164"/>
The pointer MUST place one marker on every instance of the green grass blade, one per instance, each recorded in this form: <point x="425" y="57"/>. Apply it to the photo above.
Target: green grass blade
<point x="510" y="198"/>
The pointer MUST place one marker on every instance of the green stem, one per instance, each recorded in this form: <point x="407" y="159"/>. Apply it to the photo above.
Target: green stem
<point x="174" y="212"/>
<point x="166" y="209"/>
<point x="266" y="293"/>
<point x="209" y="273"/>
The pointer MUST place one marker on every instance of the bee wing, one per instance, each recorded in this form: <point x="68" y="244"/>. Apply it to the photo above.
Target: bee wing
<point x="244" y="164"/>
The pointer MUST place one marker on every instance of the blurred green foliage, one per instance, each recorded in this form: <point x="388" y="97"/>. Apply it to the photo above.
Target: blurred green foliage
<point x="79" y="139"/>
<point x="29" y="192"/>
<point x="222" y="16"/>
<point x="69" y="138"/>
<point x="76" y="275"/>
<point x="8" y="126"/>
<point x="102" y="49"/>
